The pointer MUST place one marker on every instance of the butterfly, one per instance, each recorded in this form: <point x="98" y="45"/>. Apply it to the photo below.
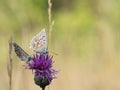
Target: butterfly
<point x="38" y="45"/>
<point x="21" y="53"/>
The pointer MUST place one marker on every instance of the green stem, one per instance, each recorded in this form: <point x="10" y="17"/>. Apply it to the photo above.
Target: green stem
<point x="43" y="88"/>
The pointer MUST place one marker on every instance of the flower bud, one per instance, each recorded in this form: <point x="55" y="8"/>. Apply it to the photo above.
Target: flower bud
<point x="42" y="82"/>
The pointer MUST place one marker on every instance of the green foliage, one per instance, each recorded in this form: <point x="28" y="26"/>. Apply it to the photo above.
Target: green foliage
<point x="76" y="23"/>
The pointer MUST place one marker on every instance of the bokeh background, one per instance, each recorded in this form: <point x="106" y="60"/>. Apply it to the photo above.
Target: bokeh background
<point x="86" y="37"/>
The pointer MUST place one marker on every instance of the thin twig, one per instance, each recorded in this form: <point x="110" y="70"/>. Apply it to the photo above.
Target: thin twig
<point x="9" y="64"/>
<point x="51" y="22"/>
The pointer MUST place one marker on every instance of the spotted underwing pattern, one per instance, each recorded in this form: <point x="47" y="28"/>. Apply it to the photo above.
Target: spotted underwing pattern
<point x="39" y="42"/>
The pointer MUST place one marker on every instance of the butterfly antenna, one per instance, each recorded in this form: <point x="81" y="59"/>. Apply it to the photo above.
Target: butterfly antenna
<point x="53" y="52"/>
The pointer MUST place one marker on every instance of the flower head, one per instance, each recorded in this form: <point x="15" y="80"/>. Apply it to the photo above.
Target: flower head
<point x="42" y="65"/>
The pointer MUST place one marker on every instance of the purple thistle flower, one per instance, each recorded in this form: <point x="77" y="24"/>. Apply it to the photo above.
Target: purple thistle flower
<point x="41" y="64"/>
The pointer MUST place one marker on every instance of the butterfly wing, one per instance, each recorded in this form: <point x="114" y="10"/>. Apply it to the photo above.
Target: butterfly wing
<point x="21" y="53"/>
<point x="39" y="42"/>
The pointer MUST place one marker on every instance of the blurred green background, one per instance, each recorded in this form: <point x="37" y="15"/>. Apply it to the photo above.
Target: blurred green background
<point x="86" y="37"/>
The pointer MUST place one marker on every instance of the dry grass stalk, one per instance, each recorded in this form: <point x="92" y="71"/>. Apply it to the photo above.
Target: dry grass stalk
<point x="9" y="64"/>
<point x="51" y="22"/>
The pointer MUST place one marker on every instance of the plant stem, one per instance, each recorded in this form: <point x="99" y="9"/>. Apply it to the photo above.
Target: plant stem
<point x="51" y="22"/>
<point x="9" y="64"/>
<point x="43" y="88"/>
